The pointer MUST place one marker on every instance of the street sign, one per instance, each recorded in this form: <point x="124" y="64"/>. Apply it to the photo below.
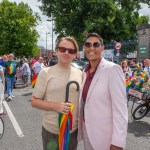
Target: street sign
<point x="143" y="50"/>
<point x="118" y="45"/>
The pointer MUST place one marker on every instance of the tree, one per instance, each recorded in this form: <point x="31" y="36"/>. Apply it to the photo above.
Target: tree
<point x="17" y="29"/>
<point x="112" y="19"/>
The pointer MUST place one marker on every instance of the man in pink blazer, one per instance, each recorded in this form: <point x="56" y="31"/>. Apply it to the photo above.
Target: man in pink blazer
<point x="103" y="114"/>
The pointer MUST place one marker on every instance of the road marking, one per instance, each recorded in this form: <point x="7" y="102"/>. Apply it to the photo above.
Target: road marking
<point x="13" y="120"/>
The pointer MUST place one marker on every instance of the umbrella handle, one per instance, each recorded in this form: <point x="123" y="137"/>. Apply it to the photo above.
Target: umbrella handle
<point x="67" y="89"/>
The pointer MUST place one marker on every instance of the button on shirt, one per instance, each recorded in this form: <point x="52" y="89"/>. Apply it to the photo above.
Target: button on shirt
<point x="38" y="67"/>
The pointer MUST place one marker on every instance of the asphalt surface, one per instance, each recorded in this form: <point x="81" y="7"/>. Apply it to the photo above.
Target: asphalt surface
<point x="29" y="120"/>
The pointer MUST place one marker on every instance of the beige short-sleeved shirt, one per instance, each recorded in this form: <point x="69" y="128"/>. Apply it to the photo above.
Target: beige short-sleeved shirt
<point x="51" y="86"/>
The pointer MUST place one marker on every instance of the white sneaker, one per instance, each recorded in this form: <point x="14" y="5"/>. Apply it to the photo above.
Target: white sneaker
<point x="9" y="98"/>
<point x="12" y="96"/>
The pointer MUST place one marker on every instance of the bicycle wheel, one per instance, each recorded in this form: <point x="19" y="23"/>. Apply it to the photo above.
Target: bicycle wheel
<point x="140" y="111"/>
<point x="1" y="127"/>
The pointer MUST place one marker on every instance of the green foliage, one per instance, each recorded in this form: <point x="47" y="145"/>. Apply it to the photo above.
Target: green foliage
<point x="36" y="51"/>
<point x="112" y="19"/>
<point x="17" y="28"/>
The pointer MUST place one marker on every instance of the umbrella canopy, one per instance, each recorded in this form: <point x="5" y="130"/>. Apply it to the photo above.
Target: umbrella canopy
<point x="65" y="122"/>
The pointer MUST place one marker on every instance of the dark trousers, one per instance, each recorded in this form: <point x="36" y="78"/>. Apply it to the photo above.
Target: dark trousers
<point x="50" y="140"/>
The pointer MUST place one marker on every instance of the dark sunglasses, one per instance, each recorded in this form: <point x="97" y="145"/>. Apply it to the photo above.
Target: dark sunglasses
<point x="95" y="44"/>
<point x="63" y="50"/>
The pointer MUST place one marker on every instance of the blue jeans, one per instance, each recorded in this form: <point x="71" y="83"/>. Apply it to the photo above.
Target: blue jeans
<point x="10" y="85"/>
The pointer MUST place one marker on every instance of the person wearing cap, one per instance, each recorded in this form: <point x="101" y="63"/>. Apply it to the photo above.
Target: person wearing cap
<point x="50" y="92"/>
<point x="103" y="113"/>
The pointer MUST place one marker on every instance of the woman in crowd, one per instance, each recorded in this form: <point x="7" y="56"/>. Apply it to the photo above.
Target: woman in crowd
<point x="126" y="69"/>
<point x="49" y="93"/>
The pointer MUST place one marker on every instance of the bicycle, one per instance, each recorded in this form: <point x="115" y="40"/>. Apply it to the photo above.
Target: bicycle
<point x="142" y="110"/>
<point x="1" y="127"/>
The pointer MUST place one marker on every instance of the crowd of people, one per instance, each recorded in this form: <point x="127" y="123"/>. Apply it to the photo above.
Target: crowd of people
<point x="12" y="68"/>
<point x="137" y="75"/>
<point x="99" y="108"/>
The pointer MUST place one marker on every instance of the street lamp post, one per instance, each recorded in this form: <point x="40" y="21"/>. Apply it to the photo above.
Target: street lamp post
<point x="52" y="35"/>
<point x="52" y="30"/>
<point x="46" y="38"/>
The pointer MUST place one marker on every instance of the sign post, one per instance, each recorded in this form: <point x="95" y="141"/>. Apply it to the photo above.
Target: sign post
<point x="117" y="47"/>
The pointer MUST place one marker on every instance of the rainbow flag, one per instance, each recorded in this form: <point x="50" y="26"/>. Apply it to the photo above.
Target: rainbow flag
<point x="65" y="125"/>
<point x="34" y="78"/>
<point x="11" y="69"/>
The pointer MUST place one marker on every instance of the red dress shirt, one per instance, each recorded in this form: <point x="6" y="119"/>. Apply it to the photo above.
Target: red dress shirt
<point x="88" y="81"/>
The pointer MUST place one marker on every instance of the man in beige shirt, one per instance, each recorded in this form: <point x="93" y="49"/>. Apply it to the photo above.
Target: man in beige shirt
<point x="49" y="94"/>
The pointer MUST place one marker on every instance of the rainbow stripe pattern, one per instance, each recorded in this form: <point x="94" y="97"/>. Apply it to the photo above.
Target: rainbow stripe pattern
<point x="137" y="80"/>
<point x="65" y="125"/>
<point x="34" y="78"/>
<point x="11" y="69"/>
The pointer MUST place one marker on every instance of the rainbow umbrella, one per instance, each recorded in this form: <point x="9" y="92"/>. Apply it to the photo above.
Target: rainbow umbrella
<point x="65" y="122"/>
<point x="34" y="79"/>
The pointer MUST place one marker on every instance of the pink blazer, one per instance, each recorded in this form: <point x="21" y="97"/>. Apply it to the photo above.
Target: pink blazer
<point x="105" y="110"/>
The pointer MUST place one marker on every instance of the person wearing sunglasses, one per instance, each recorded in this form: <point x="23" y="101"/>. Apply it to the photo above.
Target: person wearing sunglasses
<point x="103" y="114"/>
<point x="49" y="93"/>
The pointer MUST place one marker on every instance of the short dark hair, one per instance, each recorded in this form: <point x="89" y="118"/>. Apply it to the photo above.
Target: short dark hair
<point x="95" y="35"/>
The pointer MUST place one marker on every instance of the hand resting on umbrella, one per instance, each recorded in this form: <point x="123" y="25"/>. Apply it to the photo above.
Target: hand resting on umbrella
<point x="63" y="107"/>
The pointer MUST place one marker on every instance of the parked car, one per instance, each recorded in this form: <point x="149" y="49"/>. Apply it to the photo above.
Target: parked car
<point x="79" y="64"/>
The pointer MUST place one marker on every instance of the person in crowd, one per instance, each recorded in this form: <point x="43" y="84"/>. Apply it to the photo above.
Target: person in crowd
<point x="53" y="60"/>
<point x="147" y="65"/>
<point x="20" y="62"/>
<point x="26" y="72"/>
<point x="49" y="93"/>
<point x="132" y="65"/>
<point x="2" y="84"/>
<point x="1" y="61"/>
<point x="11" y="70"/>
<point x="103" y="113"/>
<point x="126" y="69"/>
<point x="38" y="66"/>
<point x="34" y="60"/>
<point x="5" y="58"/>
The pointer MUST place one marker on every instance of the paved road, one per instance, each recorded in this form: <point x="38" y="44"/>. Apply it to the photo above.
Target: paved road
<point x="29" y="121"/>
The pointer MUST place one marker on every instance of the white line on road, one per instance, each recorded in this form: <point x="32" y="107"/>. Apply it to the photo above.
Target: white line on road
<point x="13" y="120"/>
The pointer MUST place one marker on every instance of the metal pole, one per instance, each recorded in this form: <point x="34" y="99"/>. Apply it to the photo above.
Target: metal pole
<point x="52" y="34"/>
<point x="46" y="40"/>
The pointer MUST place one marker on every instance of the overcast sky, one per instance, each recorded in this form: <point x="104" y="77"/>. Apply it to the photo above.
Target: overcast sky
<point x="45" y="26"/>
